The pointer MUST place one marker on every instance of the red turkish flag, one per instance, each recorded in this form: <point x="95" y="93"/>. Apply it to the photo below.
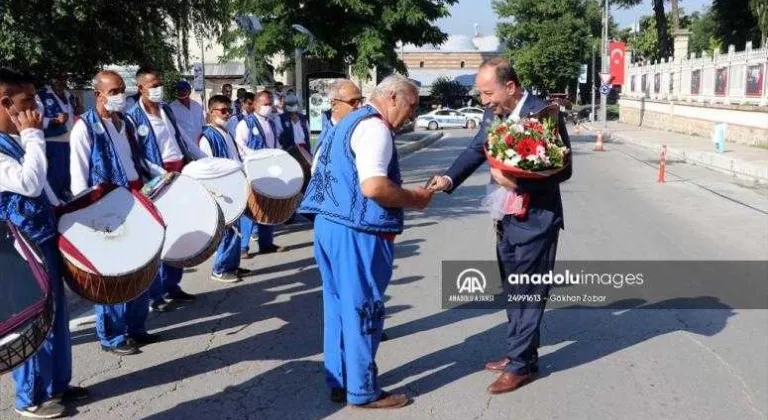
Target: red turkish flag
<point x="617" y="50"/>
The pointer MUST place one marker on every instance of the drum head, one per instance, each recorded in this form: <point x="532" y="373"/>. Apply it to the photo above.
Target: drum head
<point x="21" y="289"/>
<point x="117" y="234"/>
<point x="225" y="181"/>
<point x="274" y="173"/>
<point x="191" y="216"/>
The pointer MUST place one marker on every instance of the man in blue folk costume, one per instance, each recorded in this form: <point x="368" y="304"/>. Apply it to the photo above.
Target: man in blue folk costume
<point x="59" y="116"/>
<point x="357" y="202"/>
<point x="42" y="382"/>
<point x="217" y="142"/>
<point x="104" y="150"/>
<point x="258" y="131"/>
<point x="163" y="145"/>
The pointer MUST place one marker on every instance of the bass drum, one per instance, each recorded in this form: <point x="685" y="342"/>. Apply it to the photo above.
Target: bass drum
<point x="26" y="304"/>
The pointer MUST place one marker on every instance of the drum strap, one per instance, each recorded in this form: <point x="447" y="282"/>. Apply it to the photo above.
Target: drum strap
<point x="174" y="166"/>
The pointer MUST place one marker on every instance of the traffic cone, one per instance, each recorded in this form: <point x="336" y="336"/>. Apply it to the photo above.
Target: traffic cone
<point x="662" y="165"/>
<point x="599" y="143"/>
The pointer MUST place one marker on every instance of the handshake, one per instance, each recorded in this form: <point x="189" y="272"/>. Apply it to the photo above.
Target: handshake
<point x="421" y="196"/>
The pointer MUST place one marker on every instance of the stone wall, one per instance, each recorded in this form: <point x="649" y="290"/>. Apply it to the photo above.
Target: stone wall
<point x="445" y="60"/>
<point x="746" y="124"/>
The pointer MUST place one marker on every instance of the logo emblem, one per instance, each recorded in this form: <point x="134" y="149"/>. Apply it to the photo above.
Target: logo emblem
<point x="49" y="101"/>
<point x="471" y="280"/>
<point x="98" y="128"/>
<point x="143" y="130"/>
<point x="255" y="131"/>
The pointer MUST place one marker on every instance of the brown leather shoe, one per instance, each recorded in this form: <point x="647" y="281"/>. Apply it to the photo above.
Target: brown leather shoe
<point x="497" y="366"/>
<point x="508" y="382"/>
<point x="387" y="401"/>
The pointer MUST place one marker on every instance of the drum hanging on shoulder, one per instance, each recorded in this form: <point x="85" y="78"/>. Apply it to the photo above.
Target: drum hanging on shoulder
<point x="225" y="181"/>
<point x="276" y="179"/>
<point x="195" y="222"/>
<point x="26" y="305"/>
<point x="110" y="240"/>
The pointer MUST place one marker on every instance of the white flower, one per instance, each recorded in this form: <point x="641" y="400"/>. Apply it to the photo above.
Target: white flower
<point x="541" y="151"/>
<point x="533" y="158"/>
<point x="510" y="153"/>
<point x="512" y="160"/>
<point x="516" y="128"/>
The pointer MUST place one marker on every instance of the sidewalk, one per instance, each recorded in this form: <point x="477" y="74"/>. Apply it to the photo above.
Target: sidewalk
<point x="738" y="160"/>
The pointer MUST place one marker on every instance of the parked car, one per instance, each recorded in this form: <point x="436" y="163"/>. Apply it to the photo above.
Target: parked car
<point x="442" y="118"/>
<point x="475" y="115"/>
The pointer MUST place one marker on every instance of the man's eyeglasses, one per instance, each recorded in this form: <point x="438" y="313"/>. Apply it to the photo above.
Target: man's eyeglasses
<point x="352" y="102"/>
<point x="225" y="111"/>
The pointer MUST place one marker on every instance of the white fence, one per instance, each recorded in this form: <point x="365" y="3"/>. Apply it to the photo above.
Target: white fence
<point x="733" y="78"/>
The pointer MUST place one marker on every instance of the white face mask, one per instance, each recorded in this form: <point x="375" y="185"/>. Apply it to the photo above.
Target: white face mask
<point x="155" y="94"/>
<point x="221" y="122"/>
<point x="292" y="108"/>
<point x="265" y="111"/>
<point x="115" y="103"/>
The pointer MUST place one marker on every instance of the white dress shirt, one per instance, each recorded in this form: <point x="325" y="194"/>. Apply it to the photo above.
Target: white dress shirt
<point x="190" y="120"/>
<point x="232" y="148"/>
<point x="298" y="133"/>
<point x="371" y="143"/>
<point x="27" y="177"/>
<point x="68" y="109"/>
<point x="165" y="136"/>
<point x="242" y="134"/>
<point x="80" y="153"/>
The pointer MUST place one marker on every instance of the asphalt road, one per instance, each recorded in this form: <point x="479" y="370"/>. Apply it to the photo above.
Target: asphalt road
<point x="253" y="350"/>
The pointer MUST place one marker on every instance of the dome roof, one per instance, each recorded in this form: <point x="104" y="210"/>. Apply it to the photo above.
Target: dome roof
<point x="458" y="43"/>
<point x="488" y="43"/>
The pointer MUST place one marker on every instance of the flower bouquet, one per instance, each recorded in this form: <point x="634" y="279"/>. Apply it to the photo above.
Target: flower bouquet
<point x="528" y="148"/>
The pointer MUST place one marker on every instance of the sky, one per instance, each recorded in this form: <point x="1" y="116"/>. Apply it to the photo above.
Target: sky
<point x="468" y="12"/>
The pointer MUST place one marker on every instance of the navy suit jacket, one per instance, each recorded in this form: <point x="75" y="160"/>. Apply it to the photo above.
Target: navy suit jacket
<point x="545" y="213"/>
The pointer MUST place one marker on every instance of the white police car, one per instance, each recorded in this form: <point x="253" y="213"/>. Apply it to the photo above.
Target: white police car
<point x="442" y="118"/>
<point x="475" y="115"/>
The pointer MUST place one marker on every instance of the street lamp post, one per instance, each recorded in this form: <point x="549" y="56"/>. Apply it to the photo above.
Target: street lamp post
<point x="299" y="58"/>
<point x="593" y="84"/>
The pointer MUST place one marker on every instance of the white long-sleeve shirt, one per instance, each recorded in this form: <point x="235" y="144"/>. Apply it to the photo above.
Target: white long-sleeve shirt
<point x="242" y="134"/>
<point x="80" y="153"/>
<point x="27" y="178"/>
<point x="190" y="120"/>
<point x="232" y="148"/>
<point x="165" y="135"/>
<point x="68" y="109"/>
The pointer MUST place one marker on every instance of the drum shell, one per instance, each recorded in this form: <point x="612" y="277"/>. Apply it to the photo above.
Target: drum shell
<point x="271" y="211"/>
<point x="206" y="253"/>
<point x="110" y="290"/>
<point x="306" y="166"/>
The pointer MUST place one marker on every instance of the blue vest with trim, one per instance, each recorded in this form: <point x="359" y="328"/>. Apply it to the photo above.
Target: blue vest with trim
<point x="51" y="109"/>
<point x="32" y="215"/>
<point x="256" y="136"/>
<point x="286" y="137"/>
<point x="105" y="165"/>
<point x="334" y="189"/>
<point x="217" y="141"/>
<point x="146" y="135"/>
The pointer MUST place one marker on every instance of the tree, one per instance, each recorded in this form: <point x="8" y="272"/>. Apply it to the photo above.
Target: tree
<point x="81" y="36"/>
<point x="446" y="92"/>
<point x="548" y="40"/>
<point x="760" y="10"/>
<point x="735" y="23"/>
<point x="356" y="32"/>
<point x="661" y="24"/>
<point x="703" y="36"/>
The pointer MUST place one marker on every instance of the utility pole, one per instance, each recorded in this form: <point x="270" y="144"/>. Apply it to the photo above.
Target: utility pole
<point x="604" y="97"/>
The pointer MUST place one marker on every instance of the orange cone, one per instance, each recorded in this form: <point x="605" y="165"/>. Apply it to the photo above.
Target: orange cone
<point x="599" y="143"/>
<point x="662" y="165"/>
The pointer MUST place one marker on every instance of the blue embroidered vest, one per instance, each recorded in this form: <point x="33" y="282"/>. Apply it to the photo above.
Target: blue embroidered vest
<point x="256" y="137"/>
<point x="32" y="215"/>
<point x="334" y="189"/>
<point x="51" y="109"/>
<point x="146" y="135"/>
<point x="286" y="137"/>
<point x="217" y="141"/>
<point x="105" y="166"/>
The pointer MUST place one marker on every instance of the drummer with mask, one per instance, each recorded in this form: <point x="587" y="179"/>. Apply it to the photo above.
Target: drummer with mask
<point x="258" y="131"/>
<point x="104" y="150"/>
<point x="163" y="145"/>
<point x="42" y="382"/>
<point x="217" y="142"/>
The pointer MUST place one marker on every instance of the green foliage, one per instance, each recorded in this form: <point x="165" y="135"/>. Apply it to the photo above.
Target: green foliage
<point x="548" y="40"/>
<point x="357" y="32"/>
<point x="735" y="24"/>
<point x="759" y="9"/>
<point x="703" y="37"/>
<point x="446" y="92"/>
<point x="81" y="36"/>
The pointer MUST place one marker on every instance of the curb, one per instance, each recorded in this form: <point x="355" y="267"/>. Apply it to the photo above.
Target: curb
<point x="710" y="160"/>
<point x="413" y="146"/>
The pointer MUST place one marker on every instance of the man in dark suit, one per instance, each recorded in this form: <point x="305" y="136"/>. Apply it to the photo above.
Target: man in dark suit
<point x="525" y="244"/>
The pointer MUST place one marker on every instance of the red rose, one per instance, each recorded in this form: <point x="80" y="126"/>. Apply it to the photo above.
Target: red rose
<point x="534" y="126"/>
<point x="510" y="140"/>
<point x="526" y="147"/>
<point x="501" y="129"/>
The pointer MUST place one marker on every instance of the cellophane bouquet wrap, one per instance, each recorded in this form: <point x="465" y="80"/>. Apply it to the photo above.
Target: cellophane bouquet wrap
<point x="523" y="148"/>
